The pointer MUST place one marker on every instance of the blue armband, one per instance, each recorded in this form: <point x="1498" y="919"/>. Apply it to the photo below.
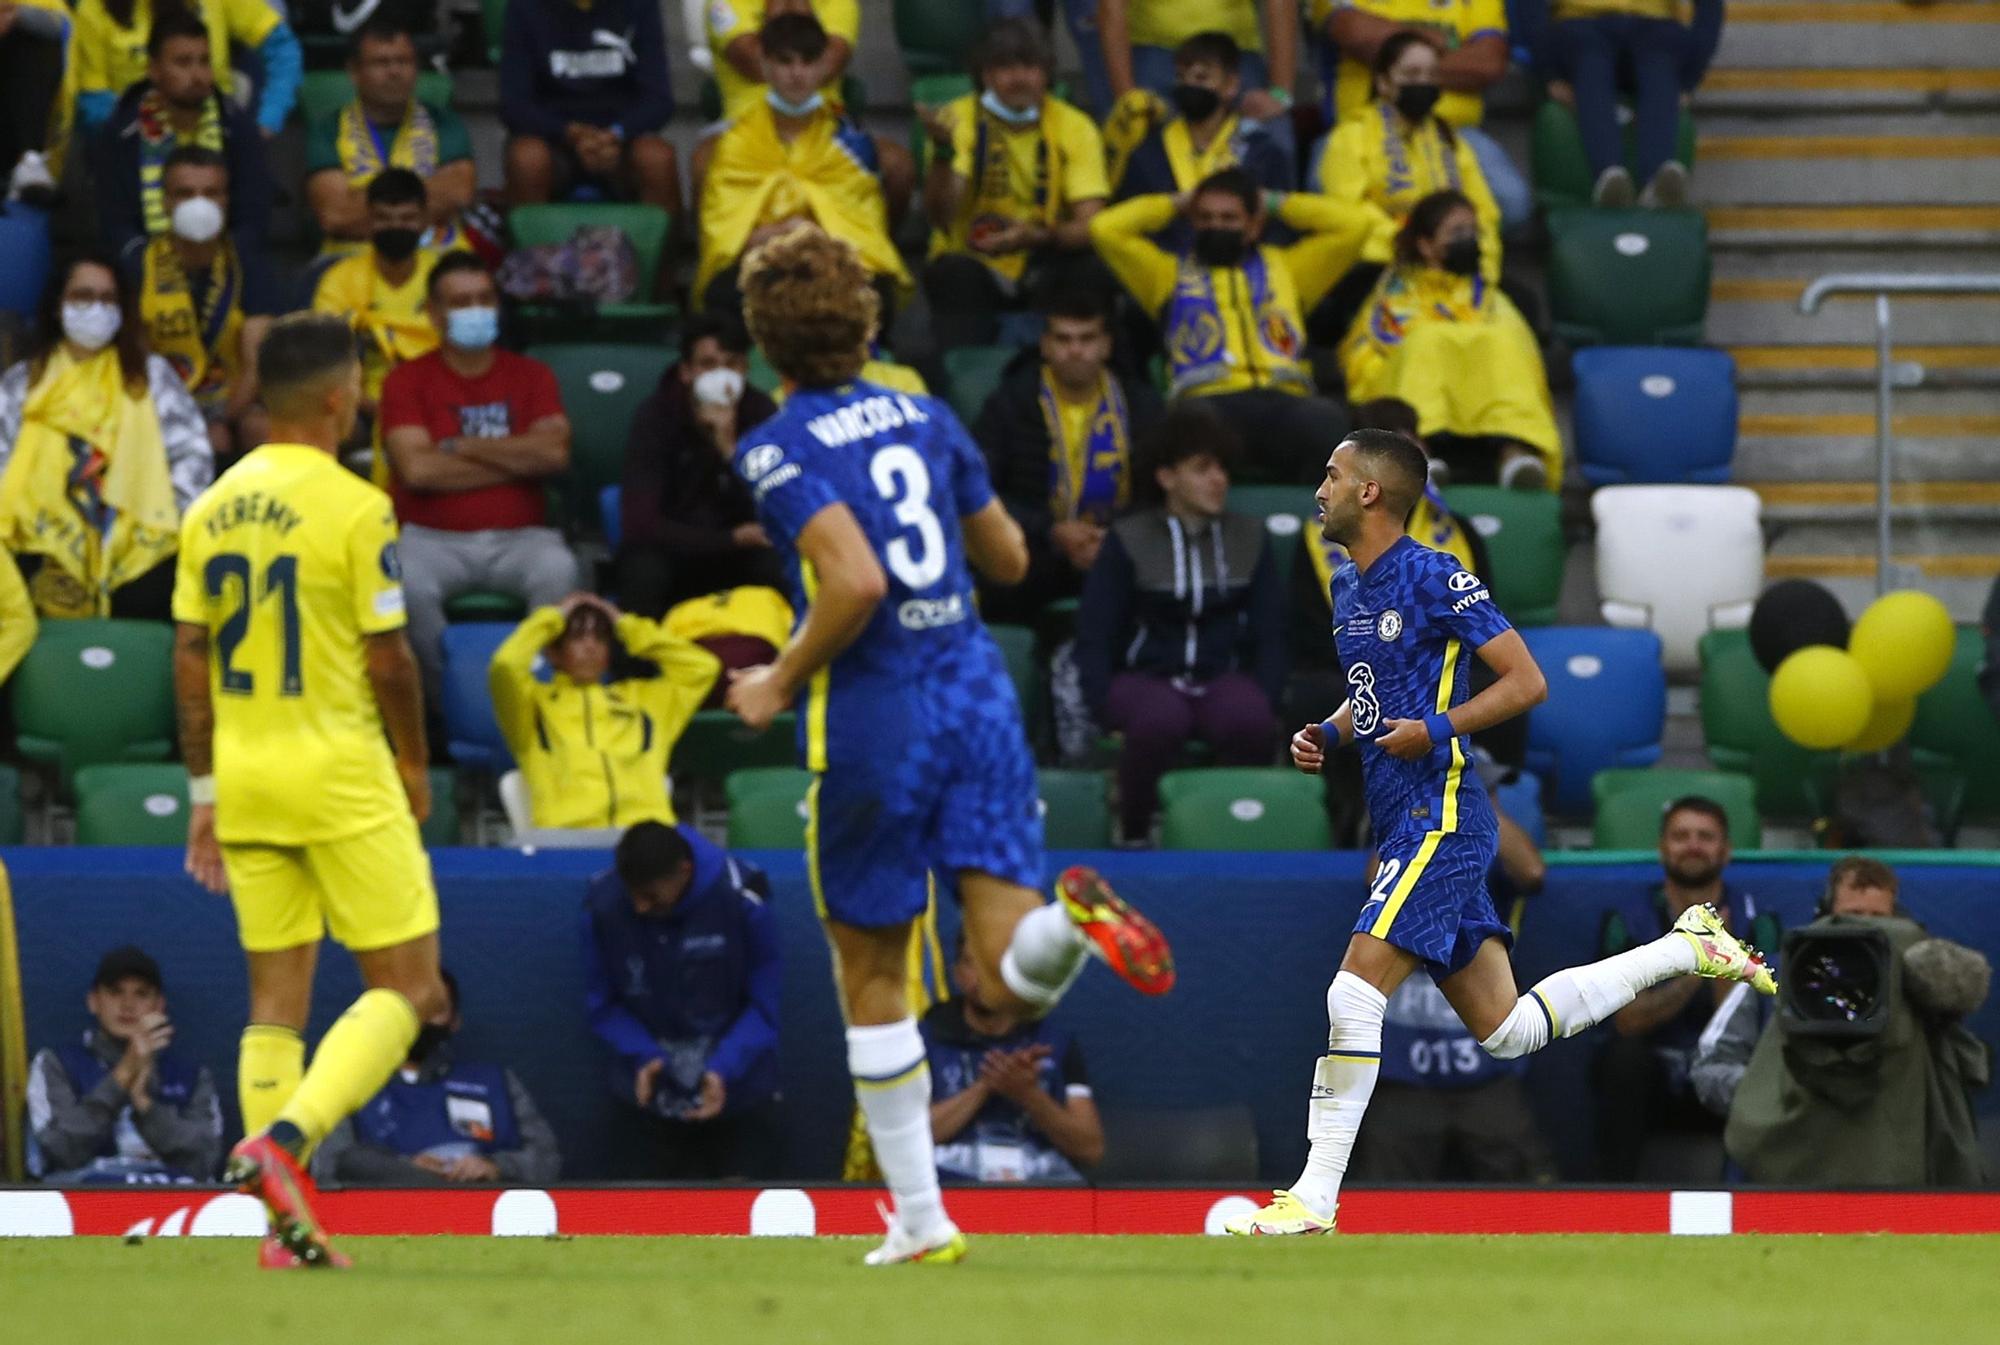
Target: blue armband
<point x="1440" y="729"/>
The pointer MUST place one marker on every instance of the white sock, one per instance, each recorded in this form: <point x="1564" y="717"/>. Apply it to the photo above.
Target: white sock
<point x="1045" y="956"/>
<point x="1343" y="1082"/>
<point x="1582" y="997"/>
<point x="892" y="1081"/>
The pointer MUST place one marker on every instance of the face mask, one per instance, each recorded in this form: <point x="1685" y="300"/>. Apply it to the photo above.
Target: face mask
<point x="197" y="219"/>
<point x="472" y="328"/>
<point x="718" y="387"/>
<point x="429" y="1037"/>
<point x="991" y="102"/>
<point x="1461" y="255"/>
<point x="1195" y="102"/>
<point x="1219" y="247"/>
<point x="1415" y="101"/>
<point x="784" y="107"/>
<point x="395" y="245"/>
<point x="91" y="325"/>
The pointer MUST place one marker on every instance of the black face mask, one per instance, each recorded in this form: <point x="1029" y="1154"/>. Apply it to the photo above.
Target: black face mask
<point x="429" y="1037"/>
<point x="1220" y="247"/>
<point x="395" y="245"/>
<point x="1461" y="255"/>
<point x="1415" y="101"/>
<point x="1195" y="102"/>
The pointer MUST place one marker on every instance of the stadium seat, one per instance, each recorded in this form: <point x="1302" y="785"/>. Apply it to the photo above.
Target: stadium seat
<point x="1654" y="414"/>
<point x="441" y="827"/>
<point x="1632" y="803"/>
<point x="937" y="39"/>
<point x="1742" y="737"/>
<point x="1562" y="170"/>
<point x="932" y="91"/>
<point x="492" y="25"/>
<point x="1607" y="706"/>
<point x="1628" y="277"/>
<point x="1678" y="561"/>
<point x="470" y="728"/>
<point x="91" y="692"/>
<point x="646" y="225"/>
<point x="717" y="744"/>
<point x="132" y="805"/>
<point x="972" y="373"/>
<point x="25" y="259"/>
<point x="324" y="92"/>
<point x="1287" y="512"/>
<point x="1243" y="808"/>
<point x="609" y="514"/>
<point x="13" y="816"/>
<point x="1955" y="722"/>
<point x="602" y="386"/>
<point x="1017" y="646"/>
<point x="481" y="605"/>
<point x="767" y="807"/>
<point x="1521" y="800"/>
<point x="1524" y="539"/>
<point x="760" y="374"/>
<point x="1076" y="809"/>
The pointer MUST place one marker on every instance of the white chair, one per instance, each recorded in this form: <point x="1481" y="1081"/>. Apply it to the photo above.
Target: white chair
<point x="521" y="818"/>
<point x="1679" y="561"/>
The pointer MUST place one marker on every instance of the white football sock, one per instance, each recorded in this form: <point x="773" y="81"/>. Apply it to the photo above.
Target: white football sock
<point x="1582" y="997"/>
<point x="1045" y="957"/>
<point x="1342" y="1084"/>
<point x="892" y="1082"/>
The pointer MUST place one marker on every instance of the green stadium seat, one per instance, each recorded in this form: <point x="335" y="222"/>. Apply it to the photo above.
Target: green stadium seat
<point x="1524" y="540"/>
<point x="132" y="805"/>
<point x="13" y="815"/>
<point x="1630" y="804"/>
<point x="95" y="691"/>
<point x="324" y="92"/>
<point x="1562" y="171"/>
<point x="646" y="225"/>
<point x="492" y="25"/>
<point x="602" y="386"/>
<point x="761" y="375"/>
<point x="1741" y="736"/>
<point x="937" y="38"/>
<point x="716" y="745"/>
<point x="1955" y="723"/>
<point x="1017" y="646"/>
<point x="1287" y="512"/>
<point x="1076" y="809"/>
<point x="933" y="92"/>
<point x="972" y="373"/>
<point x="441" y="827"/>
<point x="767" y="807"/>
<point x="1243" y="808"/>
<point x="1628" y="277"/>
<point x="480" y="605"/>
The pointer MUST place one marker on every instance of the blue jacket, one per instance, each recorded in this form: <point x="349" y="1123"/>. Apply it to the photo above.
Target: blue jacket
<point x="707" y="972"/>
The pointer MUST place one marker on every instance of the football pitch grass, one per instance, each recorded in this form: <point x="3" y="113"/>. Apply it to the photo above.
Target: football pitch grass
<point x="1034" y="1291"/>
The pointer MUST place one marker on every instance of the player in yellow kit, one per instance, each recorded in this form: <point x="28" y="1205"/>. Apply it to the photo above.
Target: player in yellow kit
<point x="289" y="662"/>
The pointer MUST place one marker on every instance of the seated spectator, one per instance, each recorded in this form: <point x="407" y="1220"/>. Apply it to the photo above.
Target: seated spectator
<point x="1155" y="149"/>
<point x="113" y="50"/>
<point x="689" y="524"/>
<point x="1181" y="633"/>
<point x="441" y="1121"/>
<point x="791" y="159"/>
<point x="176" y="104"/>
<point x="37" y="98"/>
<point x="593" y="748"/>
<point x="682" y="982"/>
<point x="472" y="433"/>
<point x="1015" y="176"/>
<point x="385" y="292"/>
<point x="1471" y="38"/>
<point x="1437" y="335"/>
<point x="584" y="97"/>
<point x="88" y="380"/>
<point x="1058" y="434"/>
<point x="1231" y="309"/>
<point x="387" y="126"/>
<point x="1142" y="44"/>
<point x="1010" y="1100"/>
<point x="1589" y="51"/>
<point x="120" y="1104"/>
<point x="207" y="303"/>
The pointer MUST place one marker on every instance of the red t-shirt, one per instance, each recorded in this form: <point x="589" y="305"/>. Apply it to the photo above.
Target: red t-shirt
<point x="505" y="400"/>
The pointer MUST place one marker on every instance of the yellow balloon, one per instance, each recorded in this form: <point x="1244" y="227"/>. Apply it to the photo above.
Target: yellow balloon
<point x="1904" y="643"/>
<point x="1821" y="698"/>
<point x="1886" y="726"/>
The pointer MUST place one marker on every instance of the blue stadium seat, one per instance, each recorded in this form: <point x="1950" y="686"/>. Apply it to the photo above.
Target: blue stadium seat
<point x="1521" y="800"/>
<point x="25" y="258"/>
<point x="1607" y="706"/>
<point x="471" y="732"/>
<point x="1655" y="415"/>
<point x="609" y="501"/>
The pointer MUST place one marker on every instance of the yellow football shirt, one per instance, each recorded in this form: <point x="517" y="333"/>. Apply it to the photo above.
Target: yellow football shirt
<point x="1452" y="22"/>
<point x="728" y="20"/>
<point x="1035" y="172"/>
<point x="1168" y="23"/>
<point x="390" y="323"/>
<point x="289" y="561"/>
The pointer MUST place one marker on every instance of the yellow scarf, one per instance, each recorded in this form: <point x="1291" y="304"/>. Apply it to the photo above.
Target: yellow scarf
<point x="87" y="485"/>
<point x="361" y="153"/>
<point x="201" y="341"/>
<point x="1191" y="165"/>
<point x="158" y="140"/>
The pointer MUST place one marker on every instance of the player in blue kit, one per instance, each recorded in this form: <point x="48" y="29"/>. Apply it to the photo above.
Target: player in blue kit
<point x="1405" y="621"/>
<point x="908" y="720"/>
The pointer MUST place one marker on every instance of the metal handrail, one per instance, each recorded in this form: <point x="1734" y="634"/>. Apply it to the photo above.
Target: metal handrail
<point x="1882" y="285"/>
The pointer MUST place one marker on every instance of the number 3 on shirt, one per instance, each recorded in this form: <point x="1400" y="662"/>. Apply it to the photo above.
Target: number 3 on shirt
<point x="900" y="475"/>
<point x="281" y="577"/>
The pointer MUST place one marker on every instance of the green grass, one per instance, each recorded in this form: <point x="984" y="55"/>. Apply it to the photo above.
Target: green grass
<point x="1025" y="1291"/>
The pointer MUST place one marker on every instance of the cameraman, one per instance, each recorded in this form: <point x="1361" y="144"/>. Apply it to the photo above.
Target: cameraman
<point x="1821" y="1098"/>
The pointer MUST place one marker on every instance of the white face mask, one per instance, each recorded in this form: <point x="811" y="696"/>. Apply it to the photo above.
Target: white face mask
<point x="197" y="219"/>
<point x="1012" y="116"/>
<point x="91" y="325"/>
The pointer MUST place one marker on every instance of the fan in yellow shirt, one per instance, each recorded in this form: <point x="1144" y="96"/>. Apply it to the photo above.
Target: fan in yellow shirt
<point x="289" y="665"/>
<point x="734" y="28"/>
<point x="381" y="292"/>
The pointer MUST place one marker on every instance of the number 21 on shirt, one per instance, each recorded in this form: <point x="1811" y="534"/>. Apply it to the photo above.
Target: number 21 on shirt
<point x="904" y="481"/>
<point x="280" y="580"/>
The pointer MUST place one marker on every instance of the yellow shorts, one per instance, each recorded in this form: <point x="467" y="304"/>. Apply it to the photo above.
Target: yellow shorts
<point x="372" y="890"/>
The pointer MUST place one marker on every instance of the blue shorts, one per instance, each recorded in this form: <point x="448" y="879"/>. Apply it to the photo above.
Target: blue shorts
<point x="1430" y="898"/>
<point x="921" y="778"/>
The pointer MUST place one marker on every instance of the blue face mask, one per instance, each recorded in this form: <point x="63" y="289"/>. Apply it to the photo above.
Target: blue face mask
<point x="784" y="107"/>
<point x="991" y="102"/>
<point x="472" y="328"/>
